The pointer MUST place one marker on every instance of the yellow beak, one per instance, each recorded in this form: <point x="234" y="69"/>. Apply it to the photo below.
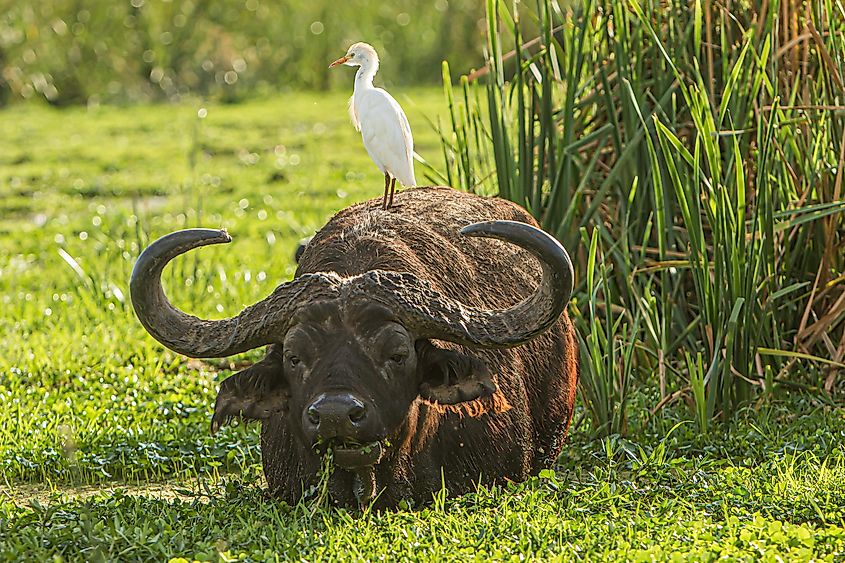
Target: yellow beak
<point x="340" y="61"/>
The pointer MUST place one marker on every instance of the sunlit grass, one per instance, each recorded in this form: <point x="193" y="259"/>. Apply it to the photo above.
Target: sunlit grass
<point x="613" y="501"/>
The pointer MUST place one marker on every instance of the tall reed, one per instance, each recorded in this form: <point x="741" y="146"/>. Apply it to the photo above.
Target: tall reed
<point x="703" y="147"/>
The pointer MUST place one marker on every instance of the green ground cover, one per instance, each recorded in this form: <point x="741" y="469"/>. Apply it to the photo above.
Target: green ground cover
<point x="104" y="446"/>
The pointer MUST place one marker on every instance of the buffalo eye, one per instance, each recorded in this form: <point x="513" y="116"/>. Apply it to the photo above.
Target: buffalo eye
<point x="293" y="361"/>
<point x="398" y="359"/>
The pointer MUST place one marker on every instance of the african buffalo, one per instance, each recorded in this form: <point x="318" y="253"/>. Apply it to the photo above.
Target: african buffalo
<point x="418" y="350"/>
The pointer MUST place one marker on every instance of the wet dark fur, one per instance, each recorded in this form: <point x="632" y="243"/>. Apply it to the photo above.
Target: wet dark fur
<point x="507" y="436"/>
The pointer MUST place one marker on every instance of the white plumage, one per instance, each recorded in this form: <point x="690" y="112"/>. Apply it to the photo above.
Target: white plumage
<point x="381" y="121"/>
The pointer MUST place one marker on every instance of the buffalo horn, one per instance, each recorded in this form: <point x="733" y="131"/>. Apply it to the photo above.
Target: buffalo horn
<point x="255" y="326"/>
<point x="434" y="315"/>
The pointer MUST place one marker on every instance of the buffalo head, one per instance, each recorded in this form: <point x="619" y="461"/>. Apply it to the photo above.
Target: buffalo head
<point x="348" y="356"/>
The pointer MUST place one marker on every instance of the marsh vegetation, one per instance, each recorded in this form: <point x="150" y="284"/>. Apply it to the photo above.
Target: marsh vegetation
<point x="689" y="155"/>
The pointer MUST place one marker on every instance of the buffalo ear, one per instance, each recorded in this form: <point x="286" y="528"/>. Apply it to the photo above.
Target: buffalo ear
<point x="256" y="393"/>
<point x="450" y="377"/>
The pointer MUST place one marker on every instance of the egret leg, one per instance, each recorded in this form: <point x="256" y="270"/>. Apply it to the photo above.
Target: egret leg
<point x="386" y="189"/>
<point x="392" y="191"/>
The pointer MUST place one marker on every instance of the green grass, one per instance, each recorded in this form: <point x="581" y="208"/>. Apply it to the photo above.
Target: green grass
<point x="104" y="446"/>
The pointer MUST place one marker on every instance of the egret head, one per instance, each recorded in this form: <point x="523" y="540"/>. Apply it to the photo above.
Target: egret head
<point x="359" y="54"/>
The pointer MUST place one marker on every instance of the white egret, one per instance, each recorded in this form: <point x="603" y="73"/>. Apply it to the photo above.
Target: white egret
<point x="381" y="121"/>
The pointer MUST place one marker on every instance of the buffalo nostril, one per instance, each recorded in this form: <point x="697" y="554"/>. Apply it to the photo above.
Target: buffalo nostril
<point x="357" y="413"/>
<point x="313" y="415"/>
<point x="335" y="415"/>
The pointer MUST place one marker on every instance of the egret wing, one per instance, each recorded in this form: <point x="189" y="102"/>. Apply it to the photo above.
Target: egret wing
<point x="406" y="133"/>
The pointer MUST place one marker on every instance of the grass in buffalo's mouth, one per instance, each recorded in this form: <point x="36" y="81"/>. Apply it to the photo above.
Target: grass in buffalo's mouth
<point x="322" y="446"/>
<point x="98" y="419"/>
<point x="355" y="446"/>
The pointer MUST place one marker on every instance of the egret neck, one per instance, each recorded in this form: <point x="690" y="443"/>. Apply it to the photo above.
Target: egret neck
<point x="366" y="73"/>
<point x="363" y="80"/>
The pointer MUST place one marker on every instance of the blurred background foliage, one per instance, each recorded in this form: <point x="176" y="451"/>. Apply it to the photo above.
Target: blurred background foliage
<point x="125" y="51"/>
